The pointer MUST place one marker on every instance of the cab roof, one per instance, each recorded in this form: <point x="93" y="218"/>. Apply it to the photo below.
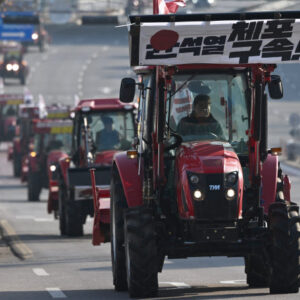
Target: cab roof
<point x="103" y="104"/>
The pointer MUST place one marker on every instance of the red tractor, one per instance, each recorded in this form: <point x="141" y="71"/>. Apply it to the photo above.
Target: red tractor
<point x="21" y="141"/>
<point x="51" y="141"/>
<point x="9" y="108"/>
<point x="102" y="127"/>
<point x="201" y="180"/>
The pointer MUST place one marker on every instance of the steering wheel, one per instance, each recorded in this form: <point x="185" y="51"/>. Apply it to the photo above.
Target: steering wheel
<point x="178" y="141"/>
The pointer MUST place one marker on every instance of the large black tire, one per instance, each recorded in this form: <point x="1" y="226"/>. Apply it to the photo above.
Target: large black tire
<point x="22" y="78"/>
<point x="141" y="253"/>
<point x="34" y="186"/>
<point x="284" y="224"/>
<point x="74" y="224"/>
<point x="17" y="165"/>
<point x="256" y="271"/>
<point x="62" y="210"/>
<point x="117" y="205"/>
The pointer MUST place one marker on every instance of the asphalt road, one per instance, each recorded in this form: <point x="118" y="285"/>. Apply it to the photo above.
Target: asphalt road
<point x="89" y="62"/>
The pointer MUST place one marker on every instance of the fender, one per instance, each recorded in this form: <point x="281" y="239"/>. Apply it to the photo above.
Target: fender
<point x="64" y="165"/>
<point x="131" y="181"/>
<point x="269" y="181"/>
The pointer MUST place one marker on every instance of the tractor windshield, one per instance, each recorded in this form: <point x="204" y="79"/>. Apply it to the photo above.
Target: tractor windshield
<point x="210" y="107"/>
<point x="10" y="110"/>
<point x="48" y="142"/>
<point x="111" y="129"/>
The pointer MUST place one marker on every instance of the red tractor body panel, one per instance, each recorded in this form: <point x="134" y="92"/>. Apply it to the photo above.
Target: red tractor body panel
<point x="105" y="157"/>
<point x="269" y="181"/>
<point x="130" y="178"/>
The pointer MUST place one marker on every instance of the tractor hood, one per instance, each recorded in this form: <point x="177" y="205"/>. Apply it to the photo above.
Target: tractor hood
<point x="207" y="157"/>
<point x="207" y="173"/>
<point x="55" y="155"/>
<point x="105" y="157"/>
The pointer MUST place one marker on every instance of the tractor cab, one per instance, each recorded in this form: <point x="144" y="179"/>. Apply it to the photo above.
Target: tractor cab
<point x="9" y="110"/>
<point x="202" y="179"/>
<point x="51" y="141"/>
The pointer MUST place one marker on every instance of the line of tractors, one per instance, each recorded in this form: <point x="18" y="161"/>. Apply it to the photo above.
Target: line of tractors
<point x="159" y="188"/>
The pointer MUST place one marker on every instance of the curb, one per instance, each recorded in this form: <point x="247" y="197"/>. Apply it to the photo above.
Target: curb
<point x="10" y="237"/>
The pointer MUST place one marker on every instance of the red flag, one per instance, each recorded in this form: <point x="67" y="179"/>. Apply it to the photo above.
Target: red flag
<point x="169" y="6"/>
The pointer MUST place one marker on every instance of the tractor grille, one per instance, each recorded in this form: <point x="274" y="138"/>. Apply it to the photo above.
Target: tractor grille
<point x="214" y="206"/>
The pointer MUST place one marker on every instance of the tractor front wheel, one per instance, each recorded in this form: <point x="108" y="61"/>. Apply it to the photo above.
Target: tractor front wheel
<point x="34" y="186"/>
<point x="17" y="165"/>
<point x="117" y="205"/>
<point x="284" y="224"/>
<point x="74" y="225"/>
<point x="141" y="253"/>
<point x="256" y="271"/>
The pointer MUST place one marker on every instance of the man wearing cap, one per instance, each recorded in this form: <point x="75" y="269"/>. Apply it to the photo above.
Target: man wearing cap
<point x="200" y="121"/>
<point x="107" y="138"/>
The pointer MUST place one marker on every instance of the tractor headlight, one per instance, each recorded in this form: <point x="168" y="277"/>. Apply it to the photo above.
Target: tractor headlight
<point x="198" y="195"/>
<point x="9" y="67"/>
<point x="230" y="194"/>
<point x="231" y="178"/>
<point x="53" y="168"/>
<point x="34" y="36"/>
<point x="15" y="67"/>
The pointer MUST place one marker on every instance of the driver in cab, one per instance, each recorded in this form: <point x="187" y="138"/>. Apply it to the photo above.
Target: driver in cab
<point x="200" y="121"/>
<point x="107" y="138"/>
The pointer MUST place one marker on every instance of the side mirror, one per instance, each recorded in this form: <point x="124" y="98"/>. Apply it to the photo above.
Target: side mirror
<point x="127" y="90"/>
<point x="275" y="87"/>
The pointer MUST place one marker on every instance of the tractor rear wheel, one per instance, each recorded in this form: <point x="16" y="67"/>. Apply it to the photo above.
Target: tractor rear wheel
<point x="284" y="224"/>
<point x="117" y="205"/>
<point x="74" y="225"/>
<point x="34" y="186"/>
<point x="141" y="252"/>
<point x="255" y="268"/>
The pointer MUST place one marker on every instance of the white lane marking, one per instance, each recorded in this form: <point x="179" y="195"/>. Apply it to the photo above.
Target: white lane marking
<point x="168" y="262"/>
<point x="56" y="293"/>
<point x="40" y="272"/>
<point x="105" y="48"/>
<point x="84" y="67"/>
<point x="178" y="285"/>
<point x="88" y="61"/>
<point x="106" y="90"/>
<point x="24" y="217"/>
<point x="43" y="220"/>
<point x="238" y="281"/>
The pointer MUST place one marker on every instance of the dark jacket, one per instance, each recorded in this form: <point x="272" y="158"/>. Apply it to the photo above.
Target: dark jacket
<point x="191" y="125"/>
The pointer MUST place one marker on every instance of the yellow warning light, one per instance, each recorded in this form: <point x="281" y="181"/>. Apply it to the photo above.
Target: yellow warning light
<point x="132" y="154"/>
<point x="276" y="151"/>
<point x="33" y="154"/>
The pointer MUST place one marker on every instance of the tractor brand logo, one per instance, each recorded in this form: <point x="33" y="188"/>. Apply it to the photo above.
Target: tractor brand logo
<point x="214" y="187"/>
